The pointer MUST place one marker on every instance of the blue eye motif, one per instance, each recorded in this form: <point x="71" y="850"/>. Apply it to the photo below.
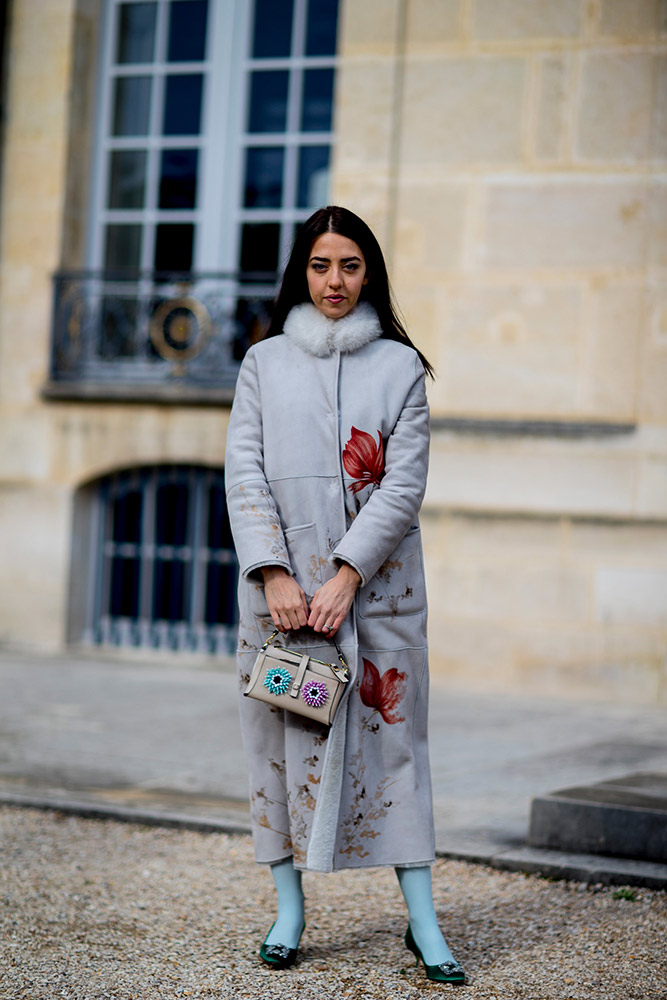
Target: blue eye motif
<point x="277" y="680"/>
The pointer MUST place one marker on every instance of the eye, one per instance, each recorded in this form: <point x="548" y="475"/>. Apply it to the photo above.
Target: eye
<point x="351" y="266"/>
<point x="316" y="266"/>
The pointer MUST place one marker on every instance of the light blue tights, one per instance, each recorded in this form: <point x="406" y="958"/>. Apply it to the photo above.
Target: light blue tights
<point x="417" y="891"/>
<point x="289" y="923"/>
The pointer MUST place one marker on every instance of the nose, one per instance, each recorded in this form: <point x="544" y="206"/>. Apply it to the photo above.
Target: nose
<point x="334" y="278"/>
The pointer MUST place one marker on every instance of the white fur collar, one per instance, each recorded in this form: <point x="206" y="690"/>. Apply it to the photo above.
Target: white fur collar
<point x="316" y="334"/>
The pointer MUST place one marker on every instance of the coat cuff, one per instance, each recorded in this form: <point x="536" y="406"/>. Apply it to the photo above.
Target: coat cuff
<point x="254" y="572"/>
<point x="337" y="557"/>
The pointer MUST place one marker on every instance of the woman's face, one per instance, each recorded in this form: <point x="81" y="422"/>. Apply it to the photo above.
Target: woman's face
<point x="336" y="274"/>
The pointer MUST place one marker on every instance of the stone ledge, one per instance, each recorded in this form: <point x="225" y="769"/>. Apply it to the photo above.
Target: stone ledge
<point x="589" y="868"/>
<point x="507" y="427"/>
<point x="624" y="818"/>
<point x="110" y="392"/>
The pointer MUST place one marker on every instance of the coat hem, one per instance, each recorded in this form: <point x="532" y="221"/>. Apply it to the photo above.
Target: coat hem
<point x="428" y="863"/>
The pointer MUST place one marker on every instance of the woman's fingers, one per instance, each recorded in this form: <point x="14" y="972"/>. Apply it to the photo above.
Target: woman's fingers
<point x="333" y="601"/>
<point x="286" y="600"/>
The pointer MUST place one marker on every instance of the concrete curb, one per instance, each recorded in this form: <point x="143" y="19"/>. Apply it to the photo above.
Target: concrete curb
<point x="126" y="814"/>
<point x="589" y="868"/>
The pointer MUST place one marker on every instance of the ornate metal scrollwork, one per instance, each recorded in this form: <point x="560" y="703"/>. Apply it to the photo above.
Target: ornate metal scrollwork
<point x="125" y="329"/>
<point x="180" y="329"/>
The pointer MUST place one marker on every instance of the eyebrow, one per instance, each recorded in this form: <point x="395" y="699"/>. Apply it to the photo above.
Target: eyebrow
<point x="343" y="260"/>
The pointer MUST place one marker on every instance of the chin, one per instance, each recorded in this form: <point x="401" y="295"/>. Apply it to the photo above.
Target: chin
<point x="335" y="311"/>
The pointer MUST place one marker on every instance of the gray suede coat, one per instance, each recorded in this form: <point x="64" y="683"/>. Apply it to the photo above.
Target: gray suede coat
<point x="327" y="456"/>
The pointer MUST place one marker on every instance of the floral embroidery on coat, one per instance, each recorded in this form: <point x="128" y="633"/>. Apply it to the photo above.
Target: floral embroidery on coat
<point x="368" y="808"/>
<point x="363" y="459"/>
<point x="383" y="693"/>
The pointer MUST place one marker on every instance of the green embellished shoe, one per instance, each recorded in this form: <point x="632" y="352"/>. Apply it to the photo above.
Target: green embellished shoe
<point x="446" y="972"/>
<point x="279" y="956"/>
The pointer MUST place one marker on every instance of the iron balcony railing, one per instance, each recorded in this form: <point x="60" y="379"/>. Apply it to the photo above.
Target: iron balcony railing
<point x="154" y="335"/>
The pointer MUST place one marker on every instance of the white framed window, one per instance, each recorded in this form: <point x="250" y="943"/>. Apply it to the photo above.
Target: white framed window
<point x="286" y="137"/>
<point x="213" y="132"/>
<point x="151" y="145"/>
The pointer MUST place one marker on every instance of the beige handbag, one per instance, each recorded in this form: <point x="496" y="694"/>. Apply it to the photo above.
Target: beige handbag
<point x="298" y="682"/>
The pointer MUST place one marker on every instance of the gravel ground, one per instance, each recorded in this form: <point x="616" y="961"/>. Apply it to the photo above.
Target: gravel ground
<point x="92" y="909"/>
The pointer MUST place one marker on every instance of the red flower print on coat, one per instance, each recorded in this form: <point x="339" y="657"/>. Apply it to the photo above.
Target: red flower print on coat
<point x="383" y="693"/>
<point x="363" y="459"/>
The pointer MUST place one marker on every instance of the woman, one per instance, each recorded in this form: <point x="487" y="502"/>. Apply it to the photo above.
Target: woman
<point x="326" y="467"/>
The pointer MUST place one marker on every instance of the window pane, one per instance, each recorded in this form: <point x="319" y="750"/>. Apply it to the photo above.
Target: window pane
<point x="259" y="246"/>
<point x="124" y="596"/>
<point x="264" y="177"/>
<point x="268" y="101"/>
<point x="220" y="594"/>
<point x="178" y="178"/>
<point x="169" y="590"/>
<point x="273" y="28"/>
<point x="173" y="246"/>
<point x="136" y="32"/>
<point x="317" y="100"/>
<point x="219" y="535"/>
<point x="123" y="246"/>
<point x="187" y="30"/>
<point x="171" y="513"/>
<point x="127" y="178"/>
<point x="127" y="517"/>
<point x="132" y="102"/>
<point x="322" y="24"/>
<point x="182" y="104"/>
<point x="313" y="176"/>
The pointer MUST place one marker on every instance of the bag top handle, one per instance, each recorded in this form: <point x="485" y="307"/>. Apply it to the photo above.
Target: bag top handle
<point x="338" y="649"/>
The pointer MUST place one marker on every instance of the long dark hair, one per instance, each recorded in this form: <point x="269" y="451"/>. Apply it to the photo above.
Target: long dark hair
<point x="377" y="291"/>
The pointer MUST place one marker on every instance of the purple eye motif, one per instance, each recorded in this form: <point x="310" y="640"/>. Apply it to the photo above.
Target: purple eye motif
<point x="315" y="694"/>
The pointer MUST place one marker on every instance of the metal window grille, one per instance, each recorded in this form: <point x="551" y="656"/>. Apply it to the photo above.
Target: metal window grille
<point x="165" y="570"/>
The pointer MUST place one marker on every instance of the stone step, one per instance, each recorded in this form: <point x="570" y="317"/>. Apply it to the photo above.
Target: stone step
<point x="623" y="817"/>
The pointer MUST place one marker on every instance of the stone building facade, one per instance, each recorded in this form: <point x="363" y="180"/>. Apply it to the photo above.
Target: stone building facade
<point x="511" y="156"/>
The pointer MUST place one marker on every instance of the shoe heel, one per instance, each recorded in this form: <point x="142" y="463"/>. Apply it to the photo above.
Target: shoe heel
<point x="447" y="972"/>
<point x="412" y="946"/>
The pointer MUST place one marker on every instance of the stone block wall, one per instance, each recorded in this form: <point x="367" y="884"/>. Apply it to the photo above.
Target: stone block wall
<point x="512" y="158"/>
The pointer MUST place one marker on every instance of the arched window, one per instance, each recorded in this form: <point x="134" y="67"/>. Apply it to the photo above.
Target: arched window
<point x="153" y="563"/>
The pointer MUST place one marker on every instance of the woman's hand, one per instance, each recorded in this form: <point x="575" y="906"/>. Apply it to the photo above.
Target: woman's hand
<point x="333" y="600"/>
<point x="287" y="601"/>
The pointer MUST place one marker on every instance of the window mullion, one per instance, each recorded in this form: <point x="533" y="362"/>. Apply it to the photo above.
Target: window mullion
<point x="154" y="136"/>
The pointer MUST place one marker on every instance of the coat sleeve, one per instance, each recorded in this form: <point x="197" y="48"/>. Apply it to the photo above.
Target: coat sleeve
<point x="393" y="507"/>
<point x="255" y="523"/>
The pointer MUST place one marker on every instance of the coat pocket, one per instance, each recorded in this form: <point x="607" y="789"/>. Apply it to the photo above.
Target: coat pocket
<point x="304" y="555"/>
<point x="398" y="587"/>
